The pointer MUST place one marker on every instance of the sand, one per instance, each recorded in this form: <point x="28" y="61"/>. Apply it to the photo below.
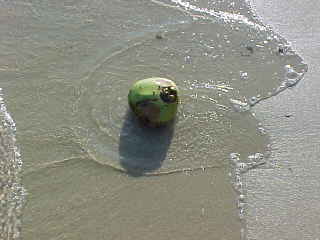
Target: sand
<point x="283" y="201"/>
<point x="57" y="82"/>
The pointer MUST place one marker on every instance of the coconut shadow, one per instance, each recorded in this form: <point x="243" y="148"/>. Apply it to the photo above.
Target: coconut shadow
<point x="143" y="149"/>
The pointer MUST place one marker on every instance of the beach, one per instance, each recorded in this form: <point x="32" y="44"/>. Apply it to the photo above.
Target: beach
<point x="283" y="199"/>
<point x="91" y="171"/>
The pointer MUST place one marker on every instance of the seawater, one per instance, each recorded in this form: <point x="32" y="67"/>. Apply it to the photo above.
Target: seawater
<point x="66" y="67"/>
<point x="223" y="64"/>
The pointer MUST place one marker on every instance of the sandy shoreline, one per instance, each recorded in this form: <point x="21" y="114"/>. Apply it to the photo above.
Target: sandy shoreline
<point x="72" y="196"/>
<point x="283" y="199"/>
<point x="103" y="204"/>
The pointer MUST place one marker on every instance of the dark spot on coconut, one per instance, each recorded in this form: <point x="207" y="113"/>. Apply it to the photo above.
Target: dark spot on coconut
<point x="147" y="111"/>
<point x="169" y="94"/>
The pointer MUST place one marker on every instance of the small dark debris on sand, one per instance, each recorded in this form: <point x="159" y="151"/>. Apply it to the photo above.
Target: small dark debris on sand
<point x="159" y="36"/>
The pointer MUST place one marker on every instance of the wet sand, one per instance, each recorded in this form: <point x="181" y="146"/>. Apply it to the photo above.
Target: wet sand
<point x="95" y="202"/>
<point x="63" y="82"/>
<point x="283" y="200"/>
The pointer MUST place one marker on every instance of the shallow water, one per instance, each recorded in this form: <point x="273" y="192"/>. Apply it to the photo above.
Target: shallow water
<point x="67" y="67"/>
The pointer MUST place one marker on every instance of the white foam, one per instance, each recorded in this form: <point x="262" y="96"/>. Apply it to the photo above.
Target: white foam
<point x="13" y="193"/>
<point x="236" y="174"/>
<point x="220" y="15"/>
<point x="243" y="75"/>
<point x="291" y="76"/>
<point x="262" y="130"/>
<point x="239" y="106"/>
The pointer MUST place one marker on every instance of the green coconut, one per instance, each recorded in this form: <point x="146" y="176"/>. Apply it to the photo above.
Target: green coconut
<point x="154" y="101"/>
